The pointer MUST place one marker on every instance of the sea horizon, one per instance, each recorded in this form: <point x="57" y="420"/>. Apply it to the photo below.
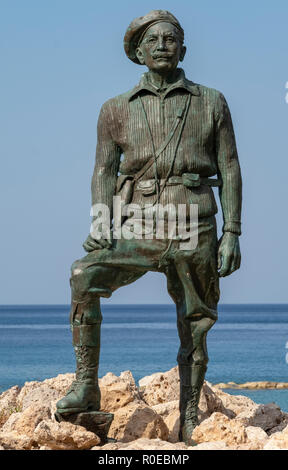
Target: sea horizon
<point x="248" y="343"/>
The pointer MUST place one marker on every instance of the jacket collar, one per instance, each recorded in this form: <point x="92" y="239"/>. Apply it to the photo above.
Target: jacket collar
<point x="180" y="82"/>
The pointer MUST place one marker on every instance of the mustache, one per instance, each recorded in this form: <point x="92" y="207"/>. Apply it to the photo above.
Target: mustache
<point x="162" y="55"/>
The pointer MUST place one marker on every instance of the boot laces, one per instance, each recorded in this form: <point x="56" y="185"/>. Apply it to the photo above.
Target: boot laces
<point x="84" y="365"/>
<point x="191" y="412"/>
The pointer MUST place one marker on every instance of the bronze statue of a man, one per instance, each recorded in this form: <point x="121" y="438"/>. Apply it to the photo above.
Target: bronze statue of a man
<point x="160" y="143"/>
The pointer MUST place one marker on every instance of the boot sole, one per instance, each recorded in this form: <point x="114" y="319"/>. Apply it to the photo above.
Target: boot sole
<point x="68" y="411"/>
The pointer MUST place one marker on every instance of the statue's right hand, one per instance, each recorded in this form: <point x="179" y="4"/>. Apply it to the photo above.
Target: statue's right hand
<point x="91" y="244"/>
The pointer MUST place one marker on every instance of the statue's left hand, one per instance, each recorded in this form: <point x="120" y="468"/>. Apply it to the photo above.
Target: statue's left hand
<point x="229" y="255"/>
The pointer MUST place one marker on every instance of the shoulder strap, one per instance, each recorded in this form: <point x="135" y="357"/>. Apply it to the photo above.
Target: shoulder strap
<point x="187" y="106"/>
<point x="162" y="147"/>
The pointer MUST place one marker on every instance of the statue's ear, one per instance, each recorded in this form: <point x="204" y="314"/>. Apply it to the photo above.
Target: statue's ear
<point x="182" y="54"/>
<point x="140" y="56"/>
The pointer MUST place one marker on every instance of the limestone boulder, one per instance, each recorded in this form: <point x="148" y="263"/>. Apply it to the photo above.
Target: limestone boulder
<point x="117" y="392"/>
<point x="266" y="385"/>
<point x="234" y="404"/>
<point x="269" y="417"/>
<point x="232" y="432"/>
<point x="44" y="392"/>
<point x="155" y="389"/>
<point x="25" y="422"/>
<point x="278" y="441"/>
<point x="164" y="409"/>
<point x="266" y="417"/>
<point x="216" y="445"/>
<point x="60" y="383"/>
<point x="37" y="396"/>
<point x="8" y="403"/>
<point x="256" y="436"/>
<point x="170" y="414"/>
<point x="64" y="436"/>
<point x="157" y="444"/>
<point x="15" y="441"/>
<point x="137" y="420"/>
<point x="172" y="422"/>
<point x="219" y="427"/>
<point x="161" y="387"/>
<point x="143" y="444"/>
<point x="210" y="402"/>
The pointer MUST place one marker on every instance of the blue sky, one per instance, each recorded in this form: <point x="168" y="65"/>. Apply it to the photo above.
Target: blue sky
<point x="60" y="61"/>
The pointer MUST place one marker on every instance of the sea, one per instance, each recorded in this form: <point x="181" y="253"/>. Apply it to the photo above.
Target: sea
<point x="247" y="343"/>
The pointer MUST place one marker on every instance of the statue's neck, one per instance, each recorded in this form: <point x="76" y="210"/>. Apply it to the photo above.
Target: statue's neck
<point x="162" y="81"/>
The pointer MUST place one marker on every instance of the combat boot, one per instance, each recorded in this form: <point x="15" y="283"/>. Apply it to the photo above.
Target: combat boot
<point x="191" y="381"/>
<point x="84" y="393"/>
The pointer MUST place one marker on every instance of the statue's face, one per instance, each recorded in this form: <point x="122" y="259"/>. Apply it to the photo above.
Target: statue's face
<point x="161" y="49"/>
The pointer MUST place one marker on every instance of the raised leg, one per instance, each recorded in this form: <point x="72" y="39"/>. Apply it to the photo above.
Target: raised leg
<point x="88" y="283"/>
<point x="84" y="393"/>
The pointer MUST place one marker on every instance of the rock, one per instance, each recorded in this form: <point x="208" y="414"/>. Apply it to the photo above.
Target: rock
<point x="262" y="416"/>
<point x="15" y="441"/>
<point x="145" y="419"/>
<point x="223" y="385"/>
<point x="277" y="441"/>
<point x="47" y="391"/>
<point x="61" y="383"/>
<point x="232" y="432"/>
<point x="281" y="426"/>
<point x="256" y="436"/>
<point x="220" y="428"/>
<point x="172" y="422"/>
<point x="250" y="413"/>
<point x="164" y="409"/>
<point x="25" y="423"/>
<point x="157" y="444"/>
<point x="37" y="396"/>
<point x="165" y="387"/>
<point x="117" y="392"/>
<point x="143" y="444"/>
<point x="210" y="402"/>
<point x="160" y="387"/>
<point x="148" y="379"/>
<point x="64" y="436"/>
<point x="137" y="420"/>
<point x="216" y="445"/>
<point x="8" y="403"/>
<point x="254" y="385"/>
<point x="170" y="414"/>
<point x="234" y="404"/>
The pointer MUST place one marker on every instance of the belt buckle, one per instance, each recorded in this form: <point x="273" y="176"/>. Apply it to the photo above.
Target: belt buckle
<point x="191" y="180"/>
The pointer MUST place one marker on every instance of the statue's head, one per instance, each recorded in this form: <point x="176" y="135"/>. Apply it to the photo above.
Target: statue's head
<point x="155" y="40"/>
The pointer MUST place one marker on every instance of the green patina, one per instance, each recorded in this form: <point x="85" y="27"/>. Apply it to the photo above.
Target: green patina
<point x="199" y="145"/>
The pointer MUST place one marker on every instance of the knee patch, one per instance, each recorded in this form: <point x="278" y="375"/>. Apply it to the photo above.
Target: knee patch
<point x="86" y="283"/>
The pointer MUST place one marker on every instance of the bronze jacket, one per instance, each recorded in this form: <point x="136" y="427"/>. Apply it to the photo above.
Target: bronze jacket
<point x="207" y="146"/>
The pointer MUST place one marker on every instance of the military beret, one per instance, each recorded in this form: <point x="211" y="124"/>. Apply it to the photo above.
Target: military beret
<point x="138" y="27"/>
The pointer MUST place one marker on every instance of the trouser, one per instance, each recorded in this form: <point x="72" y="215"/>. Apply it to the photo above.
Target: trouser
<point x="192" y="282"/>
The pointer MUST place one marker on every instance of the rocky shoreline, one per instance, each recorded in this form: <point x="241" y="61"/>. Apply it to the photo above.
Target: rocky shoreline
<point x="146" y="417"/>
<point x="253" y="386"/>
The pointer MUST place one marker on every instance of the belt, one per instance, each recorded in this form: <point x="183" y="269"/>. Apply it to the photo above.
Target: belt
<point x="190" y="180"/>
